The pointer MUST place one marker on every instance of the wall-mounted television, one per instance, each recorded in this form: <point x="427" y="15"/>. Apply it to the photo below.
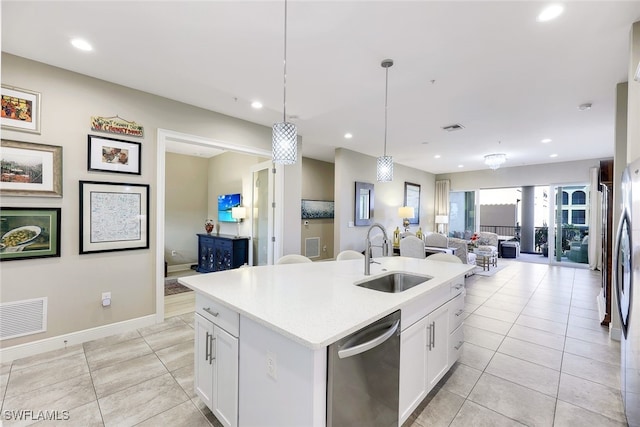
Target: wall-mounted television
<point x="225" y="203"/>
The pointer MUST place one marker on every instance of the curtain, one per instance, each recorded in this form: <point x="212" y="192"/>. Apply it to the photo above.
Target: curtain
<point x="442" y="200"/>
<point x="595" y="221"/>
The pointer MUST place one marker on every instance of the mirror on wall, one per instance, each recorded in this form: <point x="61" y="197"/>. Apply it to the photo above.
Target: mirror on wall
<point x="364" y="204"/>
<point x="412" y="199"/>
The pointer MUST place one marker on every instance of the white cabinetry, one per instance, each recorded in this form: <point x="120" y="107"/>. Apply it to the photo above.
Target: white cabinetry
<point x="430" y="346"/>
<point x="216" y="359"/>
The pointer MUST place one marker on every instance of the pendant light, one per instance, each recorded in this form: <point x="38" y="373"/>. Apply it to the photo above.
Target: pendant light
<point x="285" y="134"/>
<point x="384" y="169"/>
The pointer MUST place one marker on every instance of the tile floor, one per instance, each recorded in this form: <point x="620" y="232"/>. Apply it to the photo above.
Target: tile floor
<point x="534" y="355"/>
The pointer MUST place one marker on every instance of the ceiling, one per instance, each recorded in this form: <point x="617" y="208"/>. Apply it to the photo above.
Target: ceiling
<point x="490" y="66"/>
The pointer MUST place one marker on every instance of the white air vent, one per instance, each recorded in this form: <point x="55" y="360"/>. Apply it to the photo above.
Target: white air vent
<point x="312" y="247"/>
<point x="26" y="317"/>
<point x="452" y="128"/>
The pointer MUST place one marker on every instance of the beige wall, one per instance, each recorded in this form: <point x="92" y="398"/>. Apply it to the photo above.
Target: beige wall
<point x="553" y="173"/>
<point x="73" y="283"/>
<point x="226" y="173"/>
<point x="318" y="184"/>
<point x="633" y="130"/>
<point x="185" y="206"/>
<point x="350" y="167"/>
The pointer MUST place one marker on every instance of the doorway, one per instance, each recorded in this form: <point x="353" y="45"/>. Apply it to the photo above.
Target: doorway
<point x="163" y="137"/>
<point x="569" y="229"/>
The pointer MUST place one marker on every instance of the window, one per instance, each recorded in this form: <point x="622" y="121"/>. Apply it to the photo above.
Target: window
<point x="578" y="198"/>
<point x="565" y="216"/>
<point x="565" y="198"/>
<point x="578" y="216"/>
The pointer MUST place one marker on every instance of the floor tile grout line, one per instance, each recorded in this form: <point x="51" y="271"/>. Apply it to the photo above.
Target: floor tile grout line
<point x="93" y="386"/>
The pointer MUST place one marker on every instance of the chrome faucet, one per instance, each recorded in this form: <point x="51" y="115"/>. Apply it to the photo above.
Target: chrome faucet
<point x="367" y="251"/>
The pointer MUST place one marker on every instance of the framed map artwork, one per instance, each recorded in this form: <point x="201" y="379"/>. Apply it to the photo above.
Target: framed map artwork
<point x="113" y="216"/>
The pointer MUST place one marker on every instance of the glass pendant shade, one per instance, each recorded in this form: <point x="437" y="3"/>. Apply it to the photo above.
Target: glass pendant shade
<point x="285" y="143"/>
<point x="385" y="169"/>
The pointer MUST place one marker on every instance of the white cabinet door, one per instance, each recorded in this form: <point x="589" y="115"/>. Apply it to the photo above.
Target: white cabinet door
<point x="438" y="345"/>
<point x="413" y="367"/>
<point x="225" y="377"/>
<point x="203" y="366"/>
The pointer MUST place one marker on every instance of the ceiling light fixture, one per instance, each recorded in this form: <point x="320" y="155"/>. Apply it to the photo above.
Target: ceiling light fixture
<point x="546" y="141"/>
<point x="256" y="104"/>
<point x="553" y="155"/>
<point x="437" y="156"/>
<point x="384" y="169"/>
<point x="348" y="136"/>
<point x="584" y="107"/>
<point x="285" y="134"/>
<point x="550" y="12"/>
<point x="494" y="161"/>
<point x="82" y="45"/>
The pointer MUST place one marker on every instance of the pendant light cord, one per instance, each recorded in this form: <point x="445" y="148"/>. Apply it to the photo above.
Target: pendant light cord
<point x="386" y="92"/>
<point x="284" y="113"/>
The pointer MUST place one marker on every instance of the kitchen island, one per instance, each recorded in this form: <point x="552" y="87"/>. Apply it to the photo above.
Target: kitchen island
<point x="270" y="327"/>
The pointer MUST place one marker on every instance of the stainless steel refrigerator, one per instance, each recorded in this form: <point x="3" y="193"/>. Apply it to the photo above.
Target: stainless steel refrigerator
<point x="627" y="288"/>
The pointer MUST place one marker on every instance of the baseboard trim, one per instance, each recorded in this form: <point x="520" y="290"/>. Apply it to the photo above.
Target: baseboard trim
<point x="179" y="267"/>
<point x="615" y="334"/>
<point x="61" y="341"/>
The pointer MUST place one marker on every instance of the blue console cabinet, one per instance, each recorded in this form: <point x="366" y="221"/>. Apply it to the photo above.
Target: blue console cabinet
<point x="217" y="252"/>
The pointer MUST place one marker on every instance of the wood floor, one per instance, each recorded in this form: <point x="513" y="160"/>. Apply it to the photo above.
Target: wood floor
<point x="178" y="304"/>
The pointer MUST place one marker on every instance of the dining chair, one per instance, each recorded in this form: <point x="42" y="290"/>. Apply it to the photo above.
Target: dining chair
<point x="349" y="254"/>
<point x="293" y="259"/>
<point x="445" y="257"/>
<point x="412" y="247"/>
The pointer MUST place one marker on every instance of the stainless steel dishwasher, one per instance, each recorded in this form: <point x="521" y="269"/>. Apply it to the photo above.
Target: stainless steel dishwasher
<point x="363" y="376"/>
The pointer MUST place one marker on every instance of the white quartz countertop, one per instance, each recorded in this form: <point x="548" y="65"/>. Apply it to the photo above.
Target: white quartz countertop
<point x="316" y="304"/>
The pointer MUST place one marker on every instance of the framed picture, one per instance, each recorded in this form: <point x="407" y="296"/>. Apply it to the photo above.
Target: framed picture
<point x="317" y="209"/>
<point x="30" y="169"/>
<point x="113" y="155"/>
<point x="20" y="109"/>
<point x="113" y="216"/>
<point x="412" y="199"/>
<point x="29" y="233"/>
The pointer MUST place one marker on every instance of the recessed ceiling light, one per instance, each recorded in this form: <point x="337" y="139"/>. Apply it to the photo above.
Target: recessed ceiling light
<point x="348" y="135"/>
<point x="584" y="107"/>
<point x="81" y="44"/>
<point x="437" y="156"/>
<point x="460" y="166"/>
<point x="546" y="141"/>
<point x="553" y="155"/>
<point x="256" y="104"/>
<point x="550" y="12"/>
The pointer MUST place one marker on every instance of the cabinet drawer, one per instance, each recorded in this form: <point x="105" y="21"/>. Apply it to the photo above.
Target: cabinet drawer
<point x="456" y="312"/>
<point x="456" y="343"/>
<point x="220" y="315"/>
<point x="457" y="286"/>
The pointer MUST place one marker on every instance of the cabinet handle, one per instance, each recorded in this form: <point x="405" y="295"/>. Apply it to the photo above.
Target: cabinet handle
<point x="207" y="346"/>
<point x="457" y="347"/>
<point x="459" y="312"/>
<point x="213" y="313"/>
<point x="433" y="334"/>
<point x="211" y="357"/>
<point x="429" y="339"/>
<point x="458" y="287"/>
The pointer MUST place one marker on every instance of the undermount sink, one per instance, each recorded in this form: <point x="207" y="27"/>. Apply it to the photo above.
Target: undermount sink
<point x="393" y="282"/>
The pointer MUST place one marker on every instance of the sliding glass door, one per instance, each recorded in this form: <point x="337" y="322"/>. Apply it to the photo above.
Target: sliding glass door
<point x="568" y="241"/>
<point x="462" y="214"/>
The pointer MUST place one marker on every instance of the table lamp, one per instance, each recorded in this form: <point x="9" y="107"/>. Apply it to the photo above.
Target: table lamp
<point x="406" y="212"/>
<point x="441" y="220"/>
<point x="238" y="213"/>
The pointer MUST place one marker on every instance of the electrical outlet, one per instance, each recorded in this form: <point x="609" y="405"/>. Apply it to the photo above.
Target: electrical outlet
<point x="106" y="299"/>
<point x="272" y="365"/>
